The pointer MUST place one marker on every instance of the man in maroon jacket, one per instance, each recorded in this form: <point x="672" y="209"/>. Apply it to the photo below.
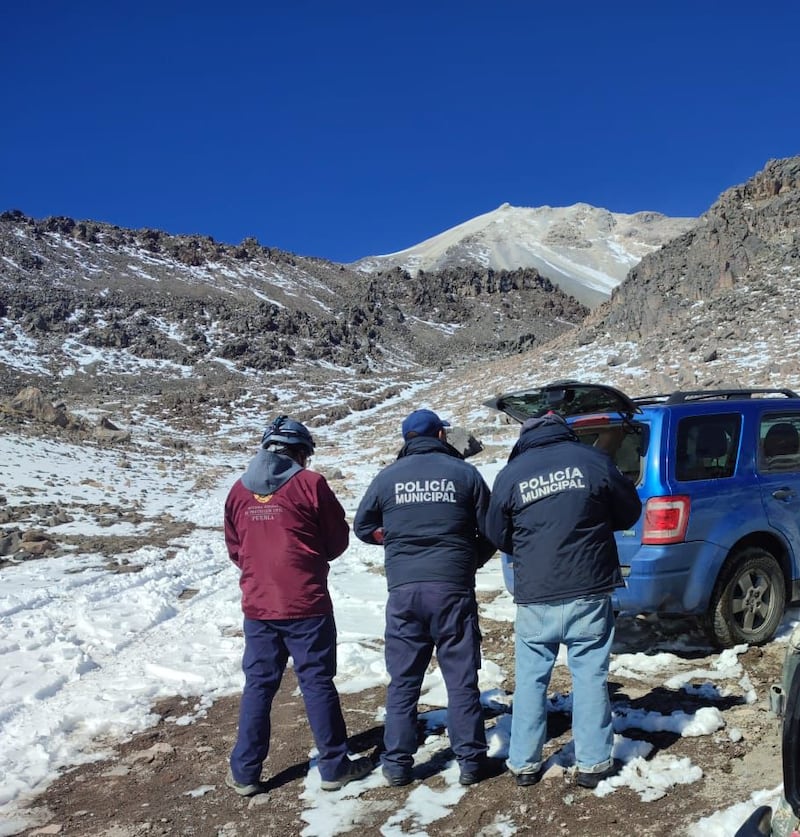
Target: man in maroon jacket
<point x="283" y="525"/>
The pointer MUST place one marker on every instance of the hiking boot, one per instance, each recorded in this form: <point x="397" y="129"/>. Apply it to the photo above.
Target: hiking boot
<point x="592" y="780"/>
<point x="243" y="788"/>
<point x="355" y="769"/>
<point x="398" y="780"/>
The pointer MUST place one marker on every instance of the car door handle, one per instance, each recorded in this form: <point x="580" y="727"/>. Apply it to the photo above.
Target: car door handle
<point x="784" y="494"/>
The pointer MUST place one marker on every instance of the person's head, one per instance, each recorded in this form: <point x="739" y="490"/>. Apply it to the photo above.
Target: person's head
<point x="289" y="437"/>
<point x="545" y="419"/>
<point x="538" y="427"/>
<point x="423" y="423"/>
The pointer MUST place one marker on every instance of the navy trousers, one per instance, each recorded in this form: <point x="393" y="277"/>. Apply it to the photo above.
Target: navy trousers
<point x="311" y="643"/>
<point x="419" y="618"/>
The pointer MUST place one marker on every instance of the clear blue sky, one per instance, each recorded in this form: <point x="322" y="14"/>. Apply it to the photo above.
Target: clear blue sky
<point x="343" y="129"/>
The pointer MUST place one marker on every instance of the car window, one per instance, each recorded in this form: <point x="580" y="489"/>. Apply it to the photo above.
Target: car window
<point x="707" y="447"/>
<point x="779" y="443"/>
<point x="626" y="445"/>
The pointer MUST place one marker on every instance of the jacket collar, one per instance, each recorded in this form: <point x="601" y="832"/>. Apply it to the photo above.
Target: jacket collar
<point x="427" y="444"/>
<point x="538" y="432"/>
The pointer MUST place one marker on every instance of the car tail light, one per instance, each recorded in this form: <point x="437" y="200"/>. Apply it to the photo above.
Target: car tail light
<point x="666" y="519"/>
<point x="590" y="421"/>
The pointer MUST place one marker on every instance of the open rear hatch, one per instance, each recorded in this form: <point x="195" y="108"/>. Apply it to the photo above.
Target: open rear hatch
<point x="600" y="415"/>
<point x="567" y="398"/>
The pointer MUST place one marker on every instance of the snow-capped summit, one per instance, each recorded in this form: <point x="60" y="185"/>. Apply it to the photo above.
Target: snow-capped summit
<point x="585" y="250"/>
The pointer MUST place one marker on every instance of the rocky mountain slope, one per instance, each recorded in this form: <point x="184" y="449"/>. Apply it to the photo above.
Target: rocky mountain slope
<point x="95" y="305"/>
<point x="586" y="251"/>
<point x="720" y="301"/>
<point x="715" y="307"/>
<point x="100" y="311"/>
<point x="750" y="239"/>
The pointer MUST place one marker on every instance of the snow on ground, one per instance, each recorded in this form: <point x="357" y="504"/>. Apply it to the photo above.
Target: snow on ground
<point x="84" y="652"/>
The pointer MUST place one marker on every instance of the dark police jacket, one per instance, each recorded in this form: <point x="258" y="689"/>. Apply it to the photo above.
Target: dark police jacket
<point x="555" y="507"/>
<point x="432" y="508"/>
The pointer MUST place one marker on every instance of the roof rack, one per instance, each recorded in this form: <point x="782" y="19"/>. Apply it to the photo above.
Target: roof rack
<point x="681" y="397"/>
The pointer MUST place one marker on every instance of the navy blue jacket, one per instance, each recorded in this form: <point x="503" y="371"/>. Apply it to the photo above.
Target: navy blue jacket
<point x="555" y="507"/>
<point x="432" y="508"/>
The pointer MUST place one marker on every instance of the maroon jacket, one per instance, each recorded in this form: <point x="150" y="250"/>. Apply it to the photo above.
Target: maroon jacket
<point x="283" y="540"/>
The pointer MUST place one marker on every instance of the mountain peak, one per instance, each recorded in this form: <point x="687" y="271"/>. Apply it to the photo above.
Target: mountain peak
<point x="585" y="250"/>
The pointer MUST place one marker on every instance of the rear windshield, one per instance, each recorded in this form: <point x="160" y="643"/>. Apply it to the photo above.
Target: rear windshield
<point x="568" y="400"/>
<point x="625" y="443"/>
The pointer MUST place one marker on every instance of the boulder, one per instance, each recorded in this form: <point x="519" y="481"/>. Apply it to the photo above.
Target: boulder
<point x="107" y="431"/>
<point x="31" y="402"/>
<point x="463" y="441"/>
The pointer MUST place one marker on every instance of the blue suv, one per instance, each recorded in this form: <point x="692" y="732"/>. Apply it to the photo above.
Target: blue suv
<point x="718" y="472"/>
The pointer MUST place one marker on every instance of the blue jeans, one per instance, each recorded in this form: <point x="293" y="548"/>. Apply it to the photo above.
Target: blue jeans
<point x="268" y="644"/>
<point x="586" y="627"/>
<point x="419" y="618"/>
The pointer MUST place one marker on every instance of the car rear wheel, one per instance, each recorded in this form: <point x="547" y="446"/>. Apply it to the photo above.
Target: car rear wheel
<point x="748" y="600"/>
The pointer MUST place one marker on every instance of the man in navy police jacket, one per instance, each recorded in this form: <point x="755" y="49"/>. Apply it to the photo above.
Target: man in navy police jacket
<point x="428" y="510"/>
<point x="554" y="508"/>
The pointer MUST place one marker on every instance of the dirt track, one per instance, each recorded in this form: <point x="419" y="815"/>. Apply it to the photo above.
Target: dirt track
<point x="145" y="788"/>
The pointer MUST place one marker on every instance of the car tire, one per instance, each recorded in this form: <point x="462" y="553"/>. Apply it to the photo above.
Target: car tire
<point x="748" y="600"/>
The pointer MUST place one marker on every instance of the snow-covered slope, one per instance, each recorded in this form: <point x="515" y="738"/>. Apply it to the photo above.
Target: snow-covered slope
<point x="585" y="250"/>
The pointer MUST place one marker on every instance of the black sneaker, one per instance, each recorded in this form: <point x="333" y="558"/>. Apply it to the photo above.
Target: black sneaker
<point x="244" y="788"/>
<point x="398" y="780"/>
<point x="592" y="780"/>
<point x="470" y="777"/>
<point x="355" y="769"/>
<point x="526" y="780"/>
<point x="484" y="770"/>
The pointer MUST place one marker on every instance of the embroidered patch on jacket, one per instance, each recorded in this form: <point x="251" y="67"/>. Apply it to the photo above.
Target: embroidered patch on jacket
<point x="263" y="498"/>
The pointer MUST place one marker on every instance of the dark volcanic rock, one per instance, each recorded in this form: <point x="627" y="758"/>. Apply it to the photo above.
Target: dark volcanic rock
<point x="752" y="231"/>
<point x="188" y="304"/>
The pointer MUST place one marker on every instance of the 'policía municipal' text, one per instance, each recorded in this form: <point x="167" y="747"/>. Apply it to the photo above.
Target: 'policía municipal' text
<point x="544" y="485"/>
<point x="425" y="491"/>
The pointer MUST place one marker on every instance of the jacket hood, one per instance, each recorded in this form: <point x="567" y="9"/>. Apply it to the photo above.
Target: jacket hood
<point x="427" y="444"/>
<point x="540" y="431"/>
<point x="268" y="471"/>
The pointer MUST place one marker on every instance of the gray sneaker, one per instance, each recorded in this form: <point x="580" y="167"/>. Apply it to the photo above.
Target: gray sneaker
<point x="356" y="769"/>
<point x="244" y="789"/>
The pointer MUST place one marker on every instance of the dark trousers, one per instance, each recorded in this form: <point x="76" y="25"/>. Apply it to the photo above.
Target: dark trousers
<point x="311" y="643"/>
<point x="419" y="618"/>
